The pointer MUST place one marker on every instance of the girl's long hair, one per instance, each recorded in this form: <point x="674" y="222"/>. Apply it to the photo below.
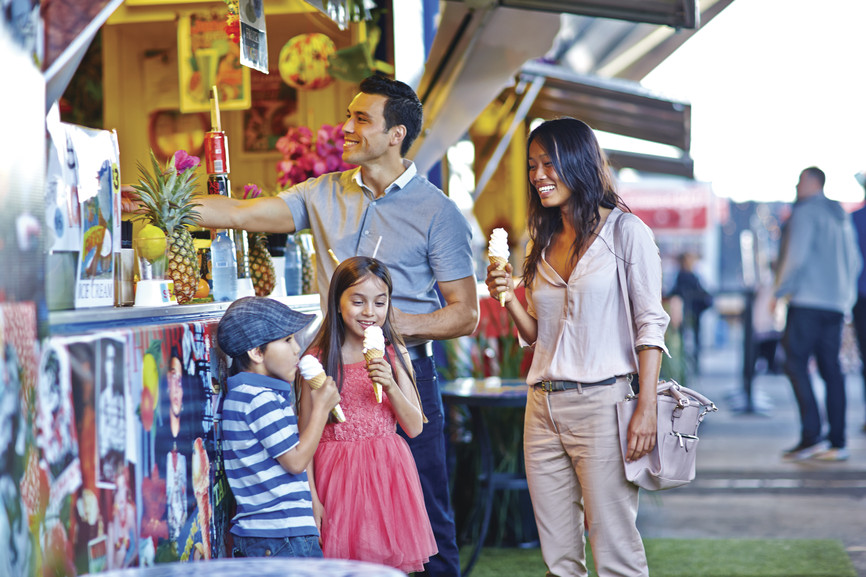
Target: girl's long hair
<point x="328" y="343"/>
<point x="582" y="167"/>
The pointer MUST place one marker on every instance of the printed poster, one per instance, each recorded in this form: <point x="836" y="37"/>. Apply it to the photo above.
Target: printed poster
<point x="207" y="58"/>
<point x="55" y="424"/>
<point x="273" y="111"/>
<point x="254" y="37"/>
<point x="20" y="481"/>
<point x="103" y="516"/>
<point x="110" y="411"/>
<point x="176" y="405"/>
<point x="95" y="155"/>
<point x="62" y="217"/>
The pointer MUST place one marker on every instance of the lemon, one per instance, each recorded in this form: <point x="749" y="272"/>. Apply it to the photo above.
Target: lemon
<point x="202" y="290"/>
<point x="151" y="242"/>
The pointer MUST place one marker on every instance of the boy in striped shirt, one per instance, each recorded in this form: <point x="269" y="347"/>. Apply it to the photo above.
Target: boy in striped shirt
<point x="265" y="455"/>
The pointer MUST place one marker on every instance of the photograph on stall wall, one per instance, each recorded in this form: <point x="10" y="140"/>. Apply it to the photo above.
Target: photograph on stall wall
<point x="17" y="334"/>
<point x="102" y="512"/>
<point x="173" y="380"/>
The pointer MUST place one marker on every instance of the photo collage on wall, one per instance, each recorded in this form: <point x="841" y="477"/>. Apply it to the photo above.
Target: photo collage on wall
<point x="109" y="448"/>
<point x="175" y="404"/>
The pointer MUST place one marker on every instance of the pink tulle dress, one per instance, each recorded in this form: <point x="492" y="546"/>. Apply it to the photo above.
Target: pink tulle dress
<point x="368" y="483"/>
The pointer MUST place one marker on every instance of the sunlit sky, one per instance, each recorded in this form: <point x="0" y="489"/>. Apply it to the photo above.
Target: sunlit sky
<point x="775" y="86"/>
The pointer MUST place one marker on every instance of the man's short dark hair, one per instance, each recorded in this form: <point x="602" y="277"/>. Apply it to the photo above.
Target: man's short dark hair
<point x="402" y="106"/>
<point x="817" y="174"/>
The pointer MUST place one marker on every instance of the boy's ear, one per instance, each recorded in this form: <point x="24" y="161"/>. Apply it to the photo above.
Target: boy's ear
<point x="256" y="355"/>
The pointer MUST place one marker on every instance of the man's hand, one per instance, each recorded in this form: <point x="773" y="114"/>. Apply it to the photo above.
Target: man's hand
<point x="130" y="203"/>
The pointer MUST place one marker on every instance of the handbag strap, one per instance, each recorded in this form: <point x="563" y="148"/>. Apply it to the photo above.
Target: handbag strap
<point x="682" y="394"/>
<point x="623" y="283"/>
<point x="673" y="388"/>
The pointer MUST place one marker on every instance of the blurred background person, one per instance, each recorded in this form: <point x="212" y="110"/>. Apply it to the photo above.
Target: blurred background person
<point x="859" y="219"/>
<point x="819" y="263"/>
<point x="695" y="300"/>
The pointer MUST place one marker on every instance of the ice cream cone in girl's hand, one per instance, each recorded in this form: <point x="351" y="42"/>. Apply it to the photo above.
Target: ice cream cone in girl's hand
<point x="374" y="348"/>
<point x="313" y="372"/>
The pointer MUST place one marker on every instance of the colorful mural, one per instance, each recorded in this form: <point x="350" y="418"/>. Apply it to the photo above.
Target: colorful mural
<point x="108" y="448"/>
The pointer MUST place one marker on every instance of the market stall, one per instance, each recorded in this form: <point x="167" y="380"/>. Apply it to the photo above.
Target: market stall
<point x="109" y="441"/>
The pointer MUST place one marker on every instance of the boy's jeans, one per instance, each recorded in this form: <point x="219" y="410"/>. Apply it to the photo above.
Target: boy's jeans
<point x="302" y="546"/>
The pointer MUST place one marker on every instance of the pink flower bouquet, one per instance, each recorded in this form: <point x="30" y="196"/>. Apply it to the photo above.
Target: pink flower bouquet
<point x="305" y="158"/>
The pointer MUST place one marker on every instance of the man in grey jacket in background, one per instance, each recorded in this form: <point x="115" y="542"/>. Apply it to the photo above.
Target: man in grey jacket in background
<point x="819" y="262"/>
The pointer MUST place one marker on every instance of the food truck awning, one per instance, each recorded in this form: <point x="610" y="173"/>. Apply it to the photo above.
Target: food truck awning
<point x="484" y="51"/>
<point x="677" y="13"/>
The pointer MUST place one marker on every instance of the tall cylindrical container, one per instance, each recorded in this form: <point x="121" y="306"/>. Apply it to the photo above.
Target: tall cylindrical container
<point x="294" y="267"/>
<point x="224" y="268"/>
<point x="216" y="152"/>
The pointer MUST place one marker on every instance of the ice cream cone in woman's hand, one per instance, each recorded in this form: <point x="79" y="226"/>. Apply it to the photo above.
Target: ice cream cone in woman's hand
<point x="498" y="253"/>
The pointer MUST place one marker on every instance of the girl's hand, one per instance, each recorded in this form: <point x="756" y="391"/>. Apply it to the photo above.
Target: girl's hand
<point x="319" y="516"/>
<point x="500" y="282"/>
<point x="380" y="372"/>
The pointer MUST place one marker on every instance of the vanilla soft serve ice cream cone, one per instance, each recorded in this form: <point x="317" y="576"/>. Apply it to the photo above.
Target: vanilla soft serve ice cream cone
<point x="313" y="372"/>
<point x="497" y="252"/>
<point x="374" y="348"/>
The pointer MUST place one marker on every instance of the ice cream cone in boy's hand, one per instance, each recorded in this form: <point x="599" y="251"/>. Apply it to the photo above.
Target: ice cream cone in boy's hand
<point x="374" y="348"/>
<point x="312" y="371"/>
<point x="497" y="252"/>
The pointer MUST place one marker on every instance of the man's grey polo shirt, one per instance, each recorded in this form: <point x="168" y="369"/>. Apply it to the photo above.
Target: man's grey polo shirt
<point x="425" y="238"/>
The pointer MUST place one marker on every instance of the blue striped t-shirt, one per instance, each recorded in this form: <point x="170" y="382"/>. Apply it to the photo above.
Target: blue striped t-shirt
<point x="259" y="424"/>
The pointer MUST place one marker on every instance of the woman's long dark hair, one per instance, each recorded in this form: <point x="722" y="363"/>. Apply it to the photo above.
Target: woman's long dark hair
<point x="582" y="167"/>
<point x="329" y="341"/>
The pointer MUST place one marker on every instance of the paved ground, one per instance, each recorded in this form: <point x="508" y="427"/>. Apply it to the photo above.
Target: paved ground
<point x="743" y="489"/>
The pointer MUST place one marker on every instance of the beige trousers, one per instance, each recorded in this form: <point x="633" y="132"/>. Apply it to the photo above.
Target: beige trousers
<point x="575" y="473"/>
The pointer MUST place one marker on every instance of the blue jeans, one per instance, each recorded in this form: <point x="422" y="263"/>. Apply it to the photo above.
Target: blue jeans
<point x="428" y="448"/>
<point x="300" y="546"/>
<point x="860" y="328"/>
<point x="816" y="332"/>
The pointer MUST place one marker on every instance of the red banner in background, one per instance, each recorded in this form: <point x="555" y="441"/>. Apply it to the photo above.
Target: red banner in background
<point x="670" y="205"/>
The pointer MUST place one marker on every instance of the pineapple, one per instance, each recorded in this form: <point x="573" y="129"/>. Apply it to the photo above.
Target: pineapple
<point x="167" y="199"/>
<point x="261" y="265"/>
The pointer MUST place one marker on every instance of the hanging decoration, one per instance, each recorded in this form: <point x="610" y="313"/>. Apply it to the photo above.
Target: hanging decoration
<point x="304" y="61"/>
<point x="354" y="63"/>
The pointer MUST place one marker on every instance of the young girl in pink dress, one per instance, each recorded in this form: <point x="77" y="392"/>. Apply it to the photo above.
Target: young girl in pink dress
<point x="367" y="497"/>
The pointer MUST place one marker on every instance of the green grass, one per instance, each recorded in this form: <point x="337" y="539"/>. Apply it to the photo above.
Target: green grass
<point x="698" y="558"/>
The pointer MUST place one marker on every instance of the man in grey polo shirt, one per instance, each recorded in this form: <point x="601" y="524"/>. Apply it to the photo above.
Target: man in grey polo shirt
<point x="424" y="241"/>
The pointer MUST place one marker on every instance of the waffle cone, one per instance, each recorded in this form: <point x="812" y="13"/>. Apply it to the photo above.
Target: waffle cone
<point x="338" y="414"/>
<point x="316" y="383"/>
<point x="371" y="354"/>
<point x="500" y="263"/>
